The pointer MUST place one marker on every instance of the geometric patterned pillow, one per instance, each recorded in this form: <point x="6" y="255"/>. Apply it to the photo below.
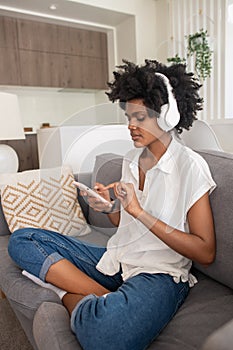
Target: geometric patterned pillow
<point x="43" y="198"/>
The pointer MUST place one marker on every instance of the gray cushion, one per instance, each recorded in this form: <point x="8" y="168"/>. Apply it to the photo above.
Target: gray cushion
<point x="107" y="169"/>
<point x="220" y="339"/>
<point x="51" y="328"/>
<point x="95" y="237"/>
<point x="86" y="179"/>
<point x="25" y="295"/>
<point x="208" y="306"/>
<point x="221" y="166"/>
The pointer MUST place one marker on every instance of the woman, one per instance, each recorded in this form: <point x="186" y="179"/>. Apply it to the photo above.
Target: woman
<point x="122" y="296"/>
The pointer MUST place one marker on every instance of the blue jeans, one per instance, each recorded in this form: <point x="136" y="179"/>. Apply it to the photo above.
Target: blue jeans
<point x="130" y="317"/>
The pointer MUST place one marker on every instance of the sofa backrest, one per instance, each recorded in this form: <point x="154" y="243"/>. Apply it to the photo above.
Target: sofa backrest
<point x="221" y="199"/>
<point x="108" y="169"/>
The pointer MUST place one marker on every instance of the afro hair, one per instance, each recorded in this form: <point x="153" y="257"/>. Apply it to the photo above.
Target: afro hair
<point x="132" y="81"/>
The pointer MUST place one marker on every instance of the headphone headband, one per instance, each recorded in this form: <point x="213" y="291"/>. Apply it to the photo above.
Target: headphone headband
<point x="169" y="116"/>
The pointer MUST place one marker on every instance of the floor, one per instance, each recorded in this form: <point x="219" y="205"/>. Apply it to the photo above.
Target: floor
<point x="12" y="336"/>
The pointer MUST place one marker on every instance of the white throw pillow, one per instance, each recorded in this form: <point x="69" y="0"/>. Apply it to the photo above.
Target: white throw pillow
<point x="43" y="198"/>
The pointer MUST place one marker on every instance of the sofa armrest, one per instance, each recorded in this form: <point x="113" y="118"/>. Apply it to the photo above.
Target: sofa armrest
<point x="222" y="338"/>
<point x="51" y="328"/>
<point x="3" y="224"/>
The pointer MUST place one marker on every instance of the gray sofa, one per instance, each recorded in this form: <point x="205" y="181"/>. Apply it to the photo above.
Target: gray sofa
<point x="205" y="320"/>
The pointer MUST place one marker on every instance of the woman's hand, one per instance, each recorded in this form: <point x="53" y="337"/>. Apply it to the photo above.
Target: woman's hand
<point x="126" y="194"/>
<point x="94" y="202"/>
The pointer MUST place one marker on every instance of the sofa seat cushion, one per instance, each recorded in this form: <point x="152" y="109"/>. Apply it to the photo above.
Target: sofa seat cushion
<point x="221" y="339"/>
<point x="4" y="242"/>
<point x="208" y="306"/>
<point x="51" y="328"/>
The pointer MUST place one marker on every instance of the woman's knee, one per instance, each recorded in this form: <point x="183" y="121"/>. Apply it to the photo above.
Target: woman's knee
<point x="17" y="239"/>
<point x="90" y="326"/>
<point x="99" y="323"/>
<point x="26" y="250"/>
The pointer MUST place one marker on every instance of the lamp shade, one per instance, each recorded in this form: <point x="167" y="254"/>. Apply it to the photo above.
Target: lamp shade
<point x="10" y="120"/>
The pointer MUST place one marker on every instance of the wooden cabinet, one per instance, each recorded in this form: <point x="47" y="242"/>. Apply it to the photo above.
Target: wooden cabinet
<point x="8" y="32"/>
<point x="51" y="55"/>
<point x="44" y="37"/>
<point x="66" y="71"/>
<point x="37" y="36"/>
<point x="41" y="69"/>
<point x="9" y="67"/>
<point x="9" y="58"/>
<point x="27" y="151"/>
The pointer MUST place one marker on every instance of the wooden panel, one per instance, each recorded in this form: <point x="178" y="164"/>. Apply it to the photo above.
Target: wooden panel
<point x="50" y="55"/>
<point x="8" y="32"/>
<point x="38" y="36"/>
<point x="85" y="72"/>
<point x="57" y="70"/>
<point x="41" y="69"/>
<point x="9" y="60"/>
<point x="94" y="73"/>
<point x="82" y="42"/>
<point x="27" y="151"/>
<point x="9" y="67"/>
<point x="32" y="159"/>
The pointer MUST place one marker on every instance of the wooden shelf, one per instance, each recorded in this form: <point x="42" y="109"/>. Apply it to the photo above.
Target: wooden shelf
<point x="27" y="151"/>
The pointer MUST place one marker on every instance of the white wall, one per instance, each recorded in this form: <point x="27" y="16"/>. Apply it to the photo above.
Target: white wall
<point x="229" y="60"/>
<point x="177" y="18"/>
<point x="188" y="17"/>
<point x="39" y="106"/>
<point x="144" y="12"/>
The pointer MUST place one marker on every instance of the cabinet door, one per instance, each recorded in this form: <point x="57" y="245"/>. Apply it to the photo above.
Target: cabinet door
<point x="45" y="37"/>
<point x="61" y="56"/>
<point x="9" y="67"/>
<point x="37" y="36"/>
<point x="9" y="59"/>
<point x="80" y="42"/>
<point x="94" y="73"/>
<point x="41" y="69"/>
<point x="65" y="71"/>
<point x="8" y="32"/>
<point x="49" y="55"/>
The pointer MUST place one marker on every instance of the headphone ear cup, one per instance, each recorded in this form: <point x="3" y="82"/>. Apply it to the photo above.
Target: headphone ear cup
<point x="161" y="120"/>
<point x="169" y="116"/>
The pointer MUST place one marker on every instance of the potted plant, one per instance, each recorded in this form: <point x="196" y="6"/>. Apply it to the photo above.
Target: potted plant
<point x="197" y="47"/>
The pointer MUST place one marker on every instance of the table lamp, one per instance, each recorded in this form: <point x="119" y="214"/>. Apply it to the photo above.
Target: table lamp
<point x="11" y="128"/>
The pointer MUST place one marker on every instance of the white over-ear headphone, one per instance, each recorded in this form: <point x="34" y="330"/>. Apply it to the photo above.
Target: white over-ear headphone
<point x="169" y="116"/>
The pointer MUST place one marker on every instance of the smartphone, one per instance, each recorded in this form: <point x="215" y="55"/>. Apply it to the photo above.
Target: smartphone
<point x="91" y="192"/>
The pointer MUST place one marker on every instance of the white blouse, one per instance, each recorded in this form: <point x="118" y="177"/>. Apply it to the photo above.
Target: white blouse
<point x="171" y="187"/>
